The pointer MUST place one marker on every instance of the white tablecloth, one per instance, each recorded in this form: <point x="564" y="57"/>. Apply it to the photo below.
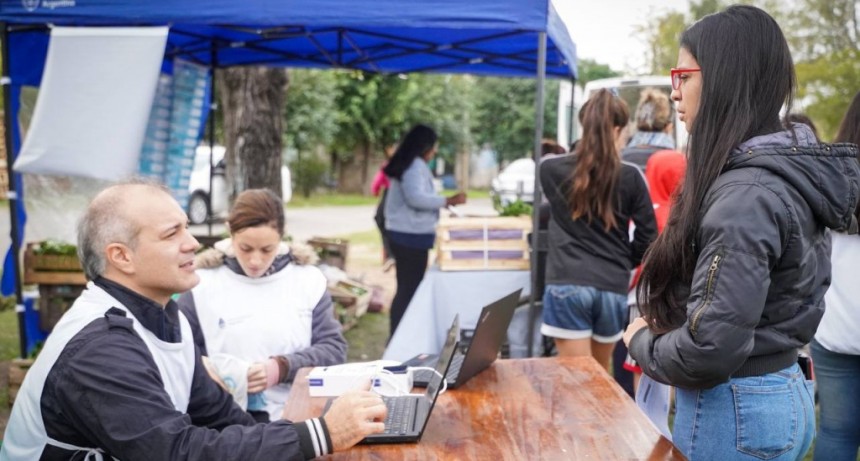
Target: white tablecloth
<point x="439" y="297"/>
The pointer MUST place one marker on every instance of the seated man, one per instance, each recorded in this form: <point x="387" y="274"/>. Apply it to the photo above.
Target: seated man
<point x="120" y="376"/>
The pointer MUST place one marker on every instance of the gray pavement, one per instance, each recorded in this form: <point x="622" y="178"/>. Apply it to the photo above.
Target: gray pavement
<point x="302" y="223"/>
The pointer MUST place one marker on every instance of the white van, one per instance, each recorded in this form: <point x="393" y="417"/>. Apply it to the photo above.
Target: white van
<point x="198" y="186"/>
<point x="628" y="88"/>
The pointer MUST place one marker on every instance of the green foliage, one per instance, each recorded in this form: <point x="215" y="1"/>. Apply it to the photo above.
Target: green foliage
<point x="7" y="303"/>
<point x="702" y="8"/>
<point x="505" y="114"/>
<point x="824" y="37"/>
<point x="310" y="113"/>
<point x="516" y="208"/>
<point x="307" y="172"/>
<point x="372" y="110"/>
<point x="829" y="82"/>
<point x="445" y="102"/>
<point x="9" y="342"/>
<point x="662" y="34"/>
<point x="326" y="199"/>
<point x="589" y="70"/>
<point x="376" y="110"/>
<point x="55" y="247"/>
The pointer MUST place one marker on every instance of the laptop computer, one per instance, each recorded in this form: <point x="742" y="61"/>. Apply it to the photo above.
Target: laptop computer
<point x="408" y="414"/>
<point x="488" y="337"/>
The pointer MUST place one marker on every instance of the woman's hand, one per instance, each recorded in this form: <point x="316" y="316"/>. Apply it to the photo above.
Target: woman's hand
<point x="638" y="324"/>
<point x="263" y="375"/>
<point x="257" y="377"/>
<point x="456" y="199"/>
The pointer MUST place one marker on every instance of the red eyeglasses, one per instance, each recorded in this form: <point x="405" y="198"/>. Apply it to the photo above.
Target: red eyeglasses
<point x="676" y="73"/>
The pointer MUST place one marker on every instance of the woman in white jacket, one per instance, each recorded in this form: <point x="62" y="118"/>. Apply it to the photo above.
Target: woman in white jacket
<point x="262" y="302"/>
<point x="836" y="347"/>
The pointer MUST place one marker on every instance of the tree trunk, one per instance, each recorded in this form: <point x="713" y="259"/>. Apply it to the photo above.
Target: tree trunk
<point x="253" y="102"/>
<point x="353" y="173"/>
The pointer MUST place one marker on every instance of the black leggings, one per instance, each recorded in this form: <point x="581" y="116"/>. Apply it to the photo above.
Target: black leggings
<point x="411" y="265"/>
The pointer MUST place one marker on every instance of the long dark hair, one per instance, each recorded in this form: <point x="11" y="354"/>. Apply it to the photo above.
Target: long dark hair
<point x="592" y="192"/>
<point x="416" y="143"/>
<point x="747" y="76"/>
<point x="849" y="129"/>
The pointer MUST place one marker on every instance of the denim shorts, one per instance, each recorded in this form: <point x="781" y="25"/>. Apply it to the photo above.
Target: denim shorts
<point x="580" y="312"/>
<point x="759" y="417"/>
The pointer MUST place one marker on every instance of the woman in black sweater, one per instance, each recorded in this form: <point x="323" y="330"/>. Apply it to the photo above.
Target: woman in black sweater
<point x="593" y="198"/>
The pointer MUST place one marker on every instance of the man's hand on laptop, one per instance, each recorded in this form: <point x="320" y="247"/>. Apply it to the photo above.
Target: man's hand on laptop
<point x="353" y="416"/>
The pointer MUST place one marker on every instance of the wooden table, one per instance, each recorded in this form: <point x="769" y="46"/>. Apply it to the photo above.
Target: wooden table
<point x="527" y="409"/>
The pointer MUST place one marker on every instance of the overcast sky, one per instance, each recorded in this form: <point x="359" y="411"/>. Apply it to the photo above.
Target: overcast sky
<point x="603" y="30"/>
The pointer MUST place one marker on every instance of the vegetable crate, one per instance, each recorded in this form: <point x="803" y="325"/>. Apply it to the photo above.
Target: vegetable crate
<point x="51" y="269"/>
<point x="349" y="292"/>
<point x="331" y="251"/>
<point x="485" y="243"/>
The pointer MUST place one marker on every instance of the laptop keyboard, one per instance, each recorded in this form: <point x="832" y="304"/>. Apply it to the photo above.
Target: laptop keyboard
<point x="423" y="377"/>
<point x="401" y="413"/>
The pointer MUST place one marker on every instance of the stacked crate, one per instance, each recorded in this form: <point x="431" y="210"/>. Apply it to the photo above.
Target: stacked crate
<point x="484" y="243"/>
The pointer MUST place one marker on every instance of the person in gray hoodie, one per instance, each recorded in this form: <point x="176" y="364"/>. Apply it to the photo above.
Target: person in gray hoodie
<point x="411" y="212"/>
<point x="734" y="286"/>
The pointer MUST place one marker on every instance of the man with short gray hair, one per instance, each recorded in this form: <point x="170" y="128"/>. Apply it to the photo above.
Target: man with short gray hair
<point x="120" y="376"/>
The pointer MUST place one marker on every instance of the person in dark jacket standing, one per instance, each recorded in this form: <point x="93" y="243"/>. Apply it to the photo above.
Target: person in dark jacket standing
<point x="734" y="285"/>
<point x="593" y="197"/>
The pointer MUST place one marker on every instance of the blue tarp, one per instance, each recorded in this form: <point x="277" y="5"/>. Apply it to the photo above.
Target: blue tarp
<point x="485" y="37"/>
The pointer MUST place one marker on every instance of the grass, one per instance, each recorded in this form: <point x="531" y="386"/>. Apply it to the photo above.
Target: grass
<point x="367" y="338"/>
<point x="319" y="200"/>
<point x="9" y="342"/>
<point x="334" y="199"/>
<point x="477" y="193"/>
<point x="369" y="237"/>
<point x="9" y="349"/>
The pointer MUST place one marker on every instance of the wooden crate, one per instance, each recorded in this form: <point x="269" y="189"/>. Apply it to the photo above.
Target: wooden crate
<point x="486" y="243"/>
<point x="54" y="301"/>
<point x="52" y="269"/>
<point x="17" y="370"/>
<point x="351" y="294"/>
<point x="332" y="252"/>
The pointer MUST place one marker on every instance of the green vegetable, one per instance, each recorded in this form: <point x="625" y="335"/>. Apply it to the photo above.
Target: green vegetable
<point x="54" y="247"/>
<point x="516" y="208"/>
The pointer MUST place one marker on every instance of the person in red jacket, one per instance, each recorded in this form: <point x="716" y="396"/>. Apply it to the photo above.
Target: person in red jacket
<point x="663" y="173"/>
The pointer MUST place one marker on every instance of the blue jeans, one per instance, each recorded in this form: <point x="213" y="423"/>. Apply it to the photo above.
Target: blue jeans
<point x="580" y="312"/>
<point x="762" y="417"/>
<point x="838" y="378"/>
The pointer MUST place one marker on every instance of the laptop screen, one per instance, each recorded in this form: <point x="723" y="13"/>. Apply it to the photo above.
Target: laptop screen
<point x="445" y="357"/>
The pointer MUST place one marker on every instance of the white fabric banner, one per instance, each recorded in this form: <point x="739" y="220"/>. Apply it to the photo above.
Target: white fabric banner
<point x="94" y="102"/>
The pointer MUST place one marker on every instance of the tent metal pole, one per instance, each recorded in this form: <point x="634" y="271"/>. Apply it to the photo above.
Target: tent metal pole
<point x="212" y="108"/>
<point x="539" y="114"/>
<point x="572" y="113"/>
<point x="12" y="193"/>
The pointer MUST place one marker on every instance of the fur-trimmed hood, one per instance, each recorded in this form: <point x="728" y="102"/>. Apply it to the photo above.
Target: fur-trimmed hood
<point x="299" y="253"/>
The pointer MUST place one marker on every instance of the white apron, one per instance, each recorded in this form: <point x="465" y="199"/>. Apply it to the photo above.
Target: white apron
<point x="25" y="437"/>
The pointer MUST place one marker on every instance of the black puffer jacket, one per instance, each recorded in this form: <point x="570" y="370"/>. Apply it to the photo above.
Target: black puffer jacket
<point x="764" y="262"/>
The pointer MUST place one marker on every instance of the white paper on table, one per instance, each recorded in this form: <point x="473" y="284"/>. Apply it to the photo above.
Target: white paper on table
<point x="654" y="400"/>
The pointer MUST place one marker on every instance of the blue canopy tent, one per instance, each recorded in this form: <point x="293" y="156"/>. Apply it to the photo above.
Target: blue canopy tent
<point x="511" y="38"/>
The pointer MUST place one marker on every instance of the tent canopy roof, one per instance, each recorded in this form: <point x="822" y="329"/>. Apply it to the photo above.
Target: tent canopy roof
<point x="485" y="37"/>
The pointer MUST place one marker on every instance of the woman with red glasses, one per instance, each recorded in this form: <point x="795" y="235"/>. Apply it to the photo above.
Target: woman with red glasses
<point x="735" y="283"/>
